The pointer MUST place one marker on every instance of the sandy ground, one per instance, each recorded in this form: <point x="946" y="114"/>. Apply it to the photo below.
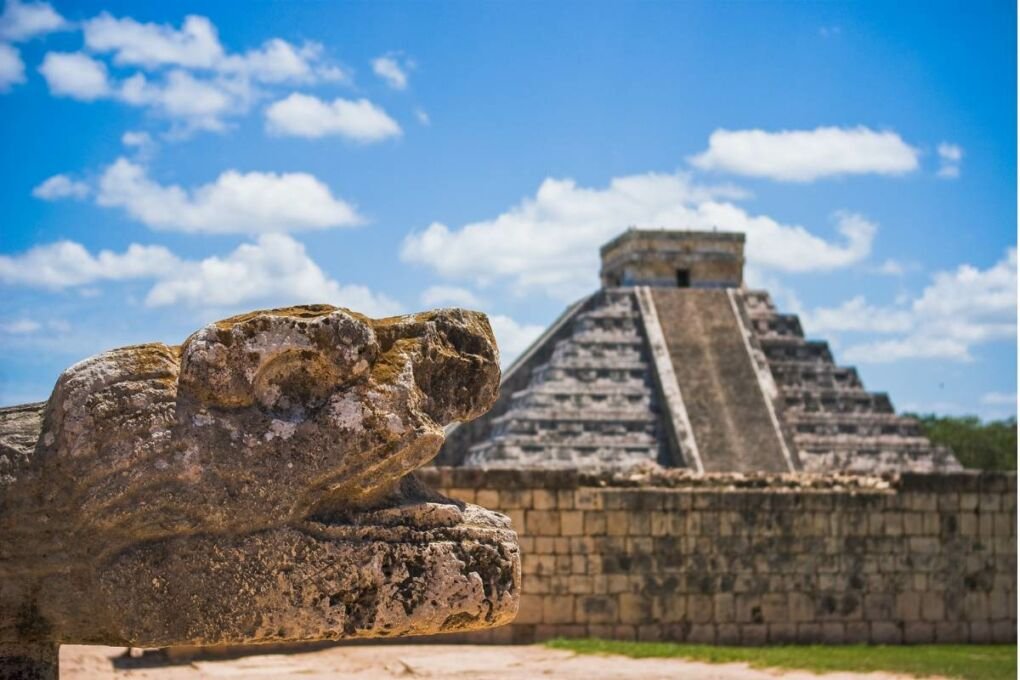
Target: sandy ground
<point x="428" y="661"/>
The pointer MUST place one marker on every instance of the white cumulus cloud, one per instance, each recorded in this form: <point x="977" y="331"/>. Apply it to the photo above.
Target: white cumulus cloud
<point x="999" y="398"/>
<point x="136" y="139"/>
<point x="141" y="142"/>
<point x="278" y="61"/>
<point x="301" y="115"/>
<point x="196" y="44"/>
<point x="66" y="263"/>
<point x="75" y="75"/>
<point x="512" y="337"/>
<point x="858" y="316"/>
<point x="438" y="296"/>
<point x="199" y="104"/>
<point x="807" y="155"/>
<point x="273" y="271"/>
<point x="190" y="103"/>
<point x="392" y="70"/>
<point x="12" y="68"/>
<point x="950" y="156"/>
<point x="61" y="186"/>
<point x="182" y="74"/>
<point x="549" y="242"/>
<point x="235" y="203"/>
<point x="958" y="310"/>
<point x="25" y="20"/>
<point x="20" y="327"/>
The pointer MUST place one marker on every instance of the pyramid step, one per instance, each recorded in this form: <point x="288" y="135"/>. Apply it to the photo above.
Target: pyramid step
<point x="813" y="442"/>
<point x="588" y="415"/>
<point x="834" y="401"/>
<point x="584" y="402"/>
<point x="810" y="374"/>
<point x="796" y="349"/>
<point x="777" y="326"/>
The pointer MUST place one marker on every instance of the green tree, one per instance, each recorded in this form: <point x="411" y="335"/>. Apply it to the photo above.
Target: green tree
<point x="983" y="446"/>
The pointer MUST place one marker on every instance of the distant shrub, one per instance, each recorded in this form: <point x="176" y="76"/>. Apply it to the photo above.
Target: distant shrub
<point x="978" y="445"/>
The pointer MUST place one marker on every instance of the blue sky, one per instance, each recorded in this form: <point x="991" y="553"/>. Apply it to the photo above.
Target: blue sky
<point x="167" y="164"/>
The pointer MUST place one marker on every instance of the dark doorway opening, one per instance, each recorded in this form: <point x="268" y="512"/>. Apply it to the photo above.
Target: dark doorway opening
<point x="683" y="278"/>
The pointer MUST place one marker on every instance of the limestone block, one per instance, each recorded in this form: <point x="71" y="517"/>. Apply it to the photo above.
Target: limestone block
<point x="580" y="584"/>
<point x="542" y="522"/>
<point x="918" y="632"/>
<point x="594" y="523"/>
<point x="700" y="608"/>
<point x="625" y="632"/>
<point x="487" y="498"/>
<point x="597" y="609"/>
<point x="572" y="523"/>
<point x="588" y="499"/>
<point x="833" y="633"/>
<point x="801" y="607"/>
<point x="724" y="608"/>
<point x="980" y="632"/>
<point x="514" y="499"/>
<point x="617" y="522"/>
<point x="950" y="632"/>
<point x="543" y="499"/>
<point x="908" y="606"/>
<point x="857" y="633"/>
<point x="886" y="633"/>
<point x="702" y="634"/>
<point x="558" y="609"/>
<point x="729" y="634"/>
<point x="975" y="606"/>
<point x="634" y="609"/>
<point x="1004" y="632"/>
<point x="545" y="545"/>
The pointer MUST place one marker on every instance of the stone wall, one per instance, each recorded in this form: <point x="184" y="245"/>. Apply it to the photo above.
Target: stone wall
<point x="745" y="559"/>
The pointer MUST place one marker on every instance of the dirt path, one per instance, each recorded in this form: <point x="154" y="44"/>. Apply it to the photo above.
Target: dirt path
<point x="428" y="661"/>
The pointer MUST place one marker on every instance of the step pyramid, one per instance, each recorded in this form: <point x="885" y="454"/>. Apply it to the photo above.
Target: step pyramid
<point x="673" y="362"/>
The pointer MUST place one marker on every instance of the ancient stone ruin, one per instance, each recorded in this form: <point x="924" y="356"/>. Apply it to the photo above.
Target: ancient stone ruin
<point x="674" y="362"/>
<point x="252" y="485"/>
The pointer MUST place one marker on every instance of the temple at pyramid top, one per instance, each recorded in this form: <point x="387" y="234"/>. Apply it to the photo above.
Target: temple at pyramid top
<point x="674" y="362"/>
<point x="674" y="259"/>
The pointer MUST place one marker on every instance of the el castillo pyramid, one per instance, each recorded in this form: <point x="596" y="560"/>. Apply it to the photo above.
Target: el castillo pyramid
<point x="674" y="362"/>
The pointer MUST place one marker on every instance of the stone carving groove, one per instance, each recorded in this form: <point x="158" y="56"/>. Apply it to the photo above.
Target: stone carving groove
<point x="251" y="485"/>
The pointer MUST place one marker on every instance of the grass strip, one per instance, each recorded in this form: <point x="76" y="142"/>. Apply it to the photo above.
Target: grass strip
<point x="970" y="662"/>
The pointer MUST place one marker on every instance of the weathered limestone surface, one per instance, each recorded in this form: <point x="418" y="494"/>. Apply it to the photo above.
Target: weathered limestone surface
<point x="252" y="485"/>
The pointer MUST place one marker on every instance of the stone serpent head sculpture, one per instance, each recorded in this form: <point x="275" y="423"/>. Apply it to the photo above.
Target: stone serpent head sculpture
<point x="253" y="485"/>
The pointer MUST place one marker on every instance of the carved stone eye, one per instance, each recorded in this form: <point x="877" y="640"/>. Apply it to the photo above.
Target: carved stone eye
<point x="284" y="360"/>
<point x="295" y="380"/>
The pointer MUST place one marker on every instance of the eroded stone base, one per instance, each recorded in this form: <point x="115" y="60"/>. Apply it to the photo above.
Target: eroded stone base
<point x="317" y="582"/>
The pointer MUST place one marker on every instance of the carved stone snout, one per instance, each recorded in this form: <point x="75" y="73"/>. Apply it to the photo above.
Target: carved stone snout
<point x="253" y="485"/>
